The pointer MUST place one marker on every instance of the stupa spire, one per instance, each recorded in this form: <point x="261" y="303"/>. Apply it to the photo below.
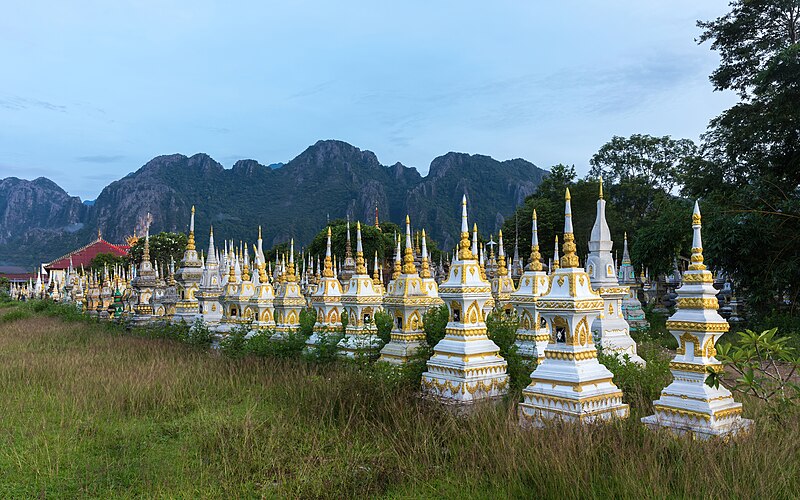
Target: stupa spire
<point x="556" y="259"/>
<point x="360" y="266"/>
<point x="426" y="271"/>
<point x="327" y="270"/>
<point x="398" y="269"/>
<point x="464" y="252"/>
<point x="375" y="276"/>
<point x="502" y="270"/>
<point x="697" y="241"/>
<point x="408" y="257"/>
<point x="536" y="258"/>
<point x="190" y="240"/>
<point x="570" y="258"/>
<point x="474" y="249"/>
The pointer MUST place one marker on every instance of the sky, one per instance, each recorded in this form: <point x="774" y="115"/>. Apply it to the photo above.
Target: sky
<point x="92" y="90"/>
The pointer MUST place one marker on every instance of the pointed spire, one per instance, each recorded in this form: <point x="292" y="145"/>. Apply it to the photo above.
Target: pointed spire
<point x="555" y="256"/>
<point x="246" y="268"/>
<point x="190" y="240"/>
<point x="570" y="258"/>
<point x="426" y="270"/>
<point x="535" y="263"/>
<point x="464" y="252"/>
<point x="474" y="249"/>
<point x="290" y="272"/>
<point x="397" y="259"/>
<point x="327" y="271"/>
<point x="502" y="270"/>
<point x="697" y="241"/>
<point x="408" y="257"/>
<point x="626" y="257"/>
<point x="375" y="276"/>
<point x="601" y="187"/>
<point x="361" y="267"/>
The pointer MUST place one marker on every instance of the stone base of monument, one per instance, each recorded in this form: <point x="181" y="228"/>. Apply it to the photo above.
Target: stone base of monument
<point x="699" y="417"/>
<point x="571" y="387"/>
<point x="457" y="376"/>
<point x="401" y="348"/>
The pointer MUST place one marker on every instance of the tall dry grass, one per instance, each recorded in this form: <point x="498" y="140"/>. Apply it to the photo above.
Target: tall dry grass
<point x="85" y="412"/>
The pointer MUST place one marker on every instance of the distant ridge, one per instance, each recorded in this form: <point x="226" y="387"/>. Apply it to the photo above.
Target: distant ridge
<point x="40" y="221"/>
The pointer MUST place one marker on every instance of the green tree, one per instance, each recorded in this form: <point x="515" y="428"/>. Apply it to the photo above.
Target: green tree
<point x="109" y="260"/>
<point x="163" y="247"/>
<point x="749" y="172"/>
<point x="653" y="161"/>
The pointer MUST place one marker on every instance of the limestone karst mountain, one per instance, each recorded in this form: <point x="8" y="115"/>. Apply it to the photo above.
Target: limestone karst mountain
<point x="39" y="221"/>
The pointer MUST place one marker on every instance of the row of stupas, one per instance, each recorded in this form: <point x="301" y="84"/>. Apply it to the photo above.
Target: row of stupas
<point x="565" y="314"/>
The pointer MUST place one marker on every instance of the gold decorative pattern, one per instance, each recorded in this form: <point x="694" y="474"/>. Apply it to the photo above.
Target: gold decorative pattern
<point x="695" y="368"/>
<point x="698" y="303"/>
<point x="695" y="326"/>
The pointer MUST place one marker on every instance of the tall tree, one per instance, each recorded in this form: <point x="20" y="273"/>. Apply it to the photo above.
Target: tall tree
<point x="749" y="172"/>
<point x="163" y="247"/>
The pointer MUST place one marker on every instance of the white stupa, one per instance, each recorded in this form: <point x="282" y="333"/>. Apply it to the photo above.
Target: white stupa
<point x="610" y="329"/>
<point x="327" y="300"/>
<point x="532" y="335"/>
<point x="570" y="384"/>
<point x="688" y="405"/>
<point x="466" y="365"/>
<point x="361" y="300"/>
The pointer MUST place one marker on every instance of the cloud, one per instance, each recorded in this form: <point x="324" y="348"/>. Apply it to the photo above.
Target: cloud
<point x="316" y="89"/>
<point x="101" y="158"/>
<point x="18" y="103"/>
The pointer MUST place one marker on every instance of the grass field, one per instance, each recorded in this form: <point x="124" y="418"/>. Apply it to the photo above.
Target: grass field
<point x="88" y="412"/>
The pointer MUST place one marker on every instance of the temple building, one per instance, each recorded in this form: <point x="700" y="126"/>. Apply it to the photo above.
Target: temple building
<point x="144" y="284"/>
<point x="82" y="257"/>
<point x="466" y="365"/>
<point x="533" y="334"/>
<point x="570" y="384"/>
<point x="688" y="405"/>
<point x="610" y="329"/>
<point x="360" y="301"/>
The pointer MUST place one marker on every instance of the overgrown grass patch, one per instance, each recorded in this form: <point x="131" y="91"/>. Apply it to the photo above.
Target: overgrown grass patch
<point x="85" y="411"/>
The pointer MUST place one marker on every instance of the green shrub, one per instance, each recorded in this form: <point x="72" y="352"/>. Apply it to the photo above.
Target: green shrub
<point x="327" y="349"/>
<point x="383" y="323"/>
<point x="15" y="314"/>
<point x="502" y="329"/>
<point x="307" y="320"/>
<point x="235" y="342"/>
<point x="434" y="324"/>
<point x="641" y="385"/>
<point x="765" y="364"/>
<point x="199" y="335"/>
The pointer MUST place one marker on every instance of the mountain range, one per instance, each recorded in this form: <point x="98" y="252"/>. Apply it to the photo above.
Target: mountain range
<point x="39" y="221"/>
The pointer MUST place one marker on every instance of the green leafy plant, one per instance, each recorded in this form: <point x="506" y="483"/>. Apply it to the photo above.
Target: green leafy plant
<point x="765" y="365"/>
<point x="502" y="329"/>
<point x="434" y="323"/>
<point x="383" y="324"/>
<point x="235" y="342"/>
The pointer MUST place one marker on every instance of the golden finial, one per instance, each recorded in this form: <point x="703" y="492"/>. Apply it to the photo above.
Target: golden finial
<point x="426" y="270"/>
<point x="555" y="256"/>
<point x="361" y="267"/>
<point x="464" y="252"/>
<point x="398" y="269"/>
<point x="376" y="279"/>
<point x="570" y="258"/>
<point x="535" y="258"/>
<point x="697" y="241"/>
<point x="408" y="256"/>
<point x="502" y="270"/>
<point x="601" y="187"/>
<point x="327" y="270"/>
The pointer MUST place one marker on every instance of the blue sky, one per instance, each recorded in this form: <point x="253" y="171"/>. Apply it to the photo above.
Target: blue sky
<point x="90" y="91"/>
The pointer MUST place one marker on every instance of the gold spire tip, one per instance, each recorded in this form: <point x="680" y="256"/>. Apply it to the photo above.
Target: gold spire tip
<point x="601" y="187"/>
<point x="567" y="196"/>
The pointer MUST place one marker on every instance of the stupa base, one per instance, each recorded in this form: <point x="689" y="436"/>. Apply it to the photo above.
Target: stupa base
<point x="698" y="427"/>
<point x="455" y="390"/>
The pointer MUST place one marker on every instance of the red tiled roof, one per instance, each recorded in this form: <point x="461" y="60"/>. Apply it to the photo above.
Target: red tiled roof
<point x="18" y="277"/>
<point x="84" y="255"/>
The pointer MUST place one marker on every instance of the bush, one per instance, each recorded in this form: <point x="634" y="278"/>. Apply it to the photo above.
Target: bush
<point x="235" y="342"/>
<point x="290" y="346"/>
<point x="766" y="365"/>
<point x="383" y="323"/>
<point x="15" y="314"/>
<point x="327" y="349"/>
<point x="434" y="324"/>
<point x="199" y="335"/>
<point x="641" y="385"/>
<point x="307" y="320"/>
<point x="502" y="329"/>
